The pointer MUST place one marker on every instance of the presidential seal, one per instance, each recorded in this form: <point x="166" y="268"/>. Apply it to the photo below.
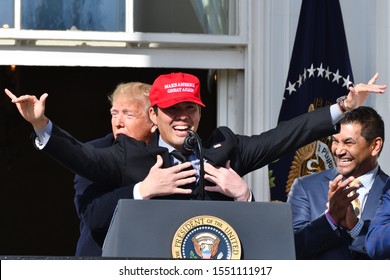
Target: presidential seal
<point x="206" y="237"/>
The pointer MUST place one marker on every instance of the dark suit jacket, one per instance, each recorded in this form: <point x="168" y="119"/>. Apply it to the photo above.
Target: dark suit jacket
<point x="378" y="237"/>
<point x="95" y="205"/>
<point x="128" y="161"/>
<point x="314" y="237"/>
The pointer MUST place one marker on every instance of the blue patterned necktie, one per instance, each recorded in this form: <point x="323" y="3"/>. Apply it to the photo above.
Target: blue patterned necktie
<point x="180" y="158"/>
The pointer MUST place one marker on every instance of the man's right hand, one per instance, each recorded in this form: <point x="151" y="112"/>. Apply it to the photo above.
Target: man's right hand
<point x="339" y="203"/>
<point x="167" y="181"/>
<point x="31" y="108"/>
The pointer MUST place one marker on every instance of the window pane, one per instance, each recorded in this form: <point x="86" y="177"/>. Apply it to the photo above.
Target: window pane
<point x="185" y="16"/>
<point x="6" y="13"/>
<point x="95" y="15"/>
<point x="213" y="15"/>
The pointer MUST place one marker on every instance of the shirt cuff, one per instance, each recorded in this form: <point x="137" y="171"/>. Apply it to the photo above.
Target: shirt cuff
<point x="136" y="193"/>
<point x="354" y="233"/>
<point x="336" y="114"/>
<point x="331" y="221"/>
<point x="250" y="197"/>
<point x="43" y="135"/>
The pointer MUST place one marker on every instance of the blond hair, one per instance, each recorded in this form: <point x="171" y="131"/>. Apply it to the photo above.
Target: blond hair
<point x="134" y="91"/>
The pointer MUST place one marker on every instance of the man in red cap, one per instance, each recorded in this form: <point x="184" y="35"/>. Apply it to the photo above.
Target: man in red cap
<point x="176" y="110"/>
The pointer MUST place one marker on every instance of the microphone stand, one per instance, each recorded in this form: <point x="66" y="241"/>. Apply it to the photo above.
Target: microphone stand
<point x="201" y="163"/>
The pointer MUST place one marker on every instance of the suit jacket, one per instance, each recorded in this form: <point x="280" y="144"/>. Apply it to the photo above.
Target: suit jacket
<point x="95" y="205"/>
<point x="314" y="237"/>
<point x="128" y="161"/>
<point x="378" y="236"/>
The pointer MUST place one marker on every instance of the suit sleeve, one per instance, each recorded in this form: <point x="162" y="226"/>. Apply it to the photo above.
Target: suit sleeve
<point x="259" y="150"/>
<point x="378" y="237"/>
<point x="99" y="165"/>
<point x="96" y="204"/>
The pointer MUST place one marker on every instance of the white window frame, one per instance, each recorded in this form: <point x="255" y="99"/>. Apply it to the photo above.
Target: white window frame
<point x="124" y="49"/>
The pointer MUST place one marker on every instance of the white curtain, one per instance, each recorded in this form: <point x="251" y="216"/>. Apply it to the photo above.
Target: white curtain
<point x="213" y="15"/>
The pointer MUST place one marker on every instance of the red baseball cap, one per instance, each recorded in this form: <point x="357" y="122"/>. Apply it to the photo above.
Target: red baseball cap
<point x="170" y="89"/>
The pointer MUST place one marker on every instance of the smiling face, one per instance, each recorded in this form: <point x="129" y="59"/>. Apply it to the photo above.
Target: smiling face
<point x="129" y="117"/>
<point x="130" y="111"/>
<point x="175" y="122"/>
<point x="354" y="155"/>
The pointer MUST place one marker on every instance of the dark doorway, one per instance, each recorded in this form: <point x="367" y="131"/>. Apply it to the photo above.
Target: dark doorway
<point x="37" y="212"/>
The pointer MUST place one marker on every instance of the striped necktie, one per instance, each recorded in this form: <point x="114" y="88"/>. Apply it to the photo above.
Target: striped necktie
<point x="356" y="203"/>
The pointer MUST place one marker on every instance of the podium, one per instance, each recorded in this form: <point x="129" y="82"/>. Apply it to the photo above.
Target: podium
<point x="162" y="229"/>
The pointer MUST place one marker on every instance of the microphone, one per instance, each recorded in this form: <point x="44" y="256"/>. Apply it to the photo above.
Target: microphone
<point x="190" y="143"/>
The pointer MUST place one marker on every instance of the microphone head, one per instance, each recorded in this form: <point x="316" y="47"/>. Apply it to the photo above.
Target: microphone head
<point x="190" y="143"/>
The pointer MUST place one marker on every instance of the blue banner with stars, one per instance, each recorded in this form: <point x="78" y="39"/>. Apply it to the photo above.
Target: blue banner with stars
<point x="320" y="72"/>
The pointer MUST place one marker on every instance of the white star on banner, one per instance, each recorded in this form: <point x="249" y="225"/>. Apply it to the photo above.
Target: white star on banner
<point x="336" y="76"/>
<point x="321" y="70"/>
<point x="327" y="73"/>
<point x="304" y="75"/>
<point x="299" y="81"/>
<point x="291" y="88"/>
<point x="347" y="82"/>
<point x="311" y="71"/>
